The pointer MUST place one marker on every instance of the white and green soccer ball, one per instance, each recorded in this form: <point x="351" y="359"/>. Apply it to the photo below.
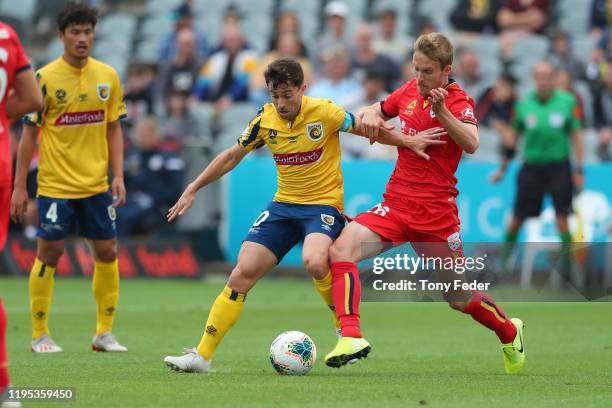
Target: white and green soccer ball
<point x="292" y="353"/>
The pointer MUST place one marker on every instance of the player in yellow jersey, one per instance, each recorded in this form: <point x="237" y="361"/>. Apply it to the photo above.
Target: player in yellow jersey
<point x="303" y="135"/>
<point x="80" y="135"/>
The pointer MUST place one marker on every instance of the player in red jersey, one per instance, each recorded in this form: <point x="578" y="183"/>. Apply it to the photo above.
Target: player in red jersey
<point x="419" y="203"/>
<point x="19" y="94"/>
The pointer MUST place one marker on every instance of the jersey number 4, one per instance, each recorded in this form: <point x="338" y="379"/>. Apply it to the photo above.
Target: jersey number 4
<point x="52" y="213"/>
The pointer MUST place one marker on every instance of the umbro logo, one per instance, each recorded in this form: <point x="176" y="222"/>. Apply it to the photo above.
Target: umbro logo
<point x="40" y="315"/>
<point x="110" y="311"/>
<point x="212" y="330"/>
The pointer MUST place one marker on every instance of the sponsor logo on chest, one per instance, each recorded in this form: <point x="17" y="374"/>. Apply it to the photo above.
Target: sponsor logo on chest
<point x="298" y="159"/>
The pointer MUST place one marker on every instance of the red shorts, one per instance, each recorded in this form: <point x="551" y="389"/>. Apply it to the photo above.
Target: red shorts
<point x="5" y="207"/>
<point x="420" y="222"/>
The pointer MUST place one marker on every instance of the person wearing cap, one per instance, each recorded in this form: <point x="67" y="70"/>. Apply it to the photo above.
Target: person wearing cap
<point x="335" y="34"/>
<point x="183" y="19"/>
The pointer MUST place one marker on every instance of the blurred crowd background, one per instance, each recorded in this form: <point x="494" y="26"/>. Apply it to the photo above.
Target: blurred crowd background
<point x="192" y="74"/>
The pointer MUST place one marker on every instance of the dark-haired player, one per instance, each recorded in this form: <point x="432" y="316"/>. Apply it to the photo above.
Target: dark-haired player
<point x="302" y="133"/>
<point x="80" y="135"/>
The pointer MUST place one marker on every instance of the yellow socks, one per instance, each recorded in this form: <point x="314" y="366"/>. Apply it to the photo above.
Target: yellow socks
<point x="324" y="287"/>
<point x="41" y="290"/>
<point x="224" y="313"/>
<point x="106" y="292"/>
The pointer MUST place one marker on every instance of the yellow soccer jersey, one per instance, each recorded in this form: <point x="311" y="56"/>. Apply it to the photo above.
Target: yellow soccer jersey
<point x="78" y="105"/>
<point x="306" y="153"/>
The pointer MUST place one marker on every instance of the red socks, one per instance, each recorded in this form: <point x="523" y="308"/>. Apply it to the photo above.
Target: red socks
<point x="4" y="377"/>
<point x="485" y="311"/>
<point x="346" y="292"/>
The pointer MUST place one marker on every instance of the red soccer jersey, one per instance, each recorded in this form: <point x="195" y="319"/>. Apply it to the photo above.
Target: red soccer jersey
<point x="12" y="60"/>
<point x="415" y="177"/>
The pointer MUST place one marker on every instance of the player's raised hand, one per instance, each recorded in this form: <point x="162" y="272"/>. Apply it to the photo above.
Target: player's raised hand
<point x="437" y="97"/>
<point x="19" y="204"/>
<point x="118" y="190"/>
<point x="182" y="205"/>
<point x="422" y="140"/>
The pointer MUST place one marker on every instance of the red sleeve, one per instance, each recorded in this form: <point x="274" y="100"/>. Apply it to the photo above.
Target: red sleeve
<point x="21" y="59"/>
<point x="390" y="106"/>
<point x="462" y="107"/>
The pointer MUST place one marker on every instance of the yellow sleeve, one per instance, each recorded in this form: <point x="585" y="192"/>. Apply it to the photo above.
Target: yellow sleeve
<point x="36" y="118"/>
<point x="338" y="119"/>
<point x="116" y="109"/>
<point x="253" y="137"/>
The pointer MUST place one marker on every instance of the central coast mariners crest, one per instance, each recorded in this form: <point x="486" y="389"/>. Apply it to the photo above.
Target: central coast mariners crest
<point x="314" y="131"/>
<point x="103" y="91"/>
<point x="327" y="219"/>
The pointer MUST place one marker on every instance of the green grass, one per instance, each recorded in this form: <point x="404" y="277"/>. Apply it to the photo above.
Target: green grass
<point x="423" y="353"/>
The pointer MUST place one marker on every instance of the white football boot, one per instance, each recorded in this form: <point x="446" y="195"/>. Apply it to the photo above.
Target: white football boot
<point x="45" y="344"/>
<point x="190" y="362"/>
<point x="107" y="342"/>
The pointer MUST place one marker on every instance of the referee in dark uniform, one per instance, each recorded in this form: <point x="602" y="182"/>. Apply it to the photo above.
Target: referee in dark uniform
<point x="548" y="118"/>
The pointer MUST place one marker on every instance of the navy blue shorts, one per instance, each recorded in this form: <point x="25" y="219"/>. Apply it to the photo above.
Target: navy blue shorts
<point x="282" y="225"/>
<point x="92" y="217"/>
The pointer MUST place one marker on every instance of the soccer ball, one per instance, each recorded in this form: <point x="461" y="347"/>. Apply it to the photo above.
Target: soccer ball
<point x="292" y="353"/>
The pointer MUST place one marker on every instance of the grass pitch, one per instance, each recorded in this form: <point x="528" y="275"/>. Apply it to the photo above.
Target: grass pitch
<point x="424" y="354"/>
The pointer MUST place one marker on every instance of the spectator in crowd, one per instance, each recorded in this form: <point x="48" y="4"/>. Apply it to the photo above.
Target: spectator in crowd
<point x="225" y="77"/>
<point x="561" y="56"/>
<point x="139" y="93"/>
<point x="602" y="110"/>
<point x="336" y="84"/>
<point x="287" y="22"/>
<point x="601" y="18"/>
<point x="335" y="35"/>
<point x="388" y="40"/>
<point x="372" y="91"/>
<point x="153" y="179"/>
<point x="183" y="18"/>
<point x="496" y="105"/>
<point x="476" y="16"/>
<point x="518" y="18"/>
<point x="565" y="81"/>
<point x="288" y="47"/>
<point x="598" y="65"/>
<point x="366" y="59"/>
<point x="180" y="126"/>
<point x="469" y="76"/>
<point x="495" y="108"/>
<point x="181" y="74"/>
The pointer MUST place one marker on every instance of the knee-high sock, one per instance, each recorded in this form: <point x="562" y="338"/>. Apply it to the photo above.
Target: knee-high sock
<point x="225" y="312"/>
<point x="105" y="288"/>
<point x="4" y="377"/>
<point x="485" y="311"/>
<point x="324" y="287"/>
<point x="41" y="290"/>
<point x="346" y="291"/>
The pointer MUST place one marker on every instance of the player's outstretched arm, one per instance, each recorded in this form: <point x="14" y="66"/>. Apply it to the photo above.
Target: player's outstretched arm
<point x="222" y="164"/>
<point x="392" y="137"/>
<point x="372" y="120"/>
<point x="25" y="97"/>
<point x="19" y="200"/>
